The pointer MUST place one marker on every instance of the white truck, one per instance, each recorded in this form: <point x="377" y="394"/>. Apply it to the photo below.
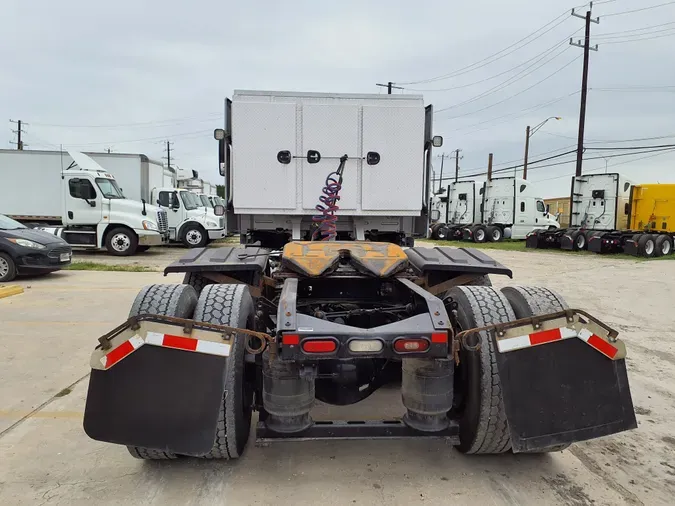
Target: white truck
<point x="457" y="208"/>
<point x="76" y="199"/>
<point x="188" y="220"/>
<point x="278" y="150"/>
<point x="509" y="208"/>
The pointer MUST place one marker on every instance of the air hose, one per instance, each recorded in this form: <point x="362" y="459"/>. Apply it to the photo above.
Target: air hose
<point x="326" y="220"/>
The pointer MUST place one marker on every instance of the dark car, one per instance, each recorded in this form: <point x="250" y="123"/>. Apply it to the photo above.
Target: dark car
<point x="27" y="251"/>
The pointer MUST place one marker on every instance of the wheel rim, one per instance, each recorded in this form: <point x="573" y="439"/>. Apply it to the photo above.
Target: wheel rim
<point x="120" y="242"/>
<point x="649" y="247"/>
<point x="442" y="234"/>
<point x="193" y="237"/>
<point x="496" y="235"/>
<point x="4" y="267"/>
<point x="581" y="242"/>
<point x="480" y="235"/>
<point x="665" y="248"/>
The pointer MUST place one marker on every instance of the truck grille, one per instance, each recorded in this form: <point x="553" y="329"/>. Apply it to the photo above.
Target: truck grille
<point x="162" y="221"/>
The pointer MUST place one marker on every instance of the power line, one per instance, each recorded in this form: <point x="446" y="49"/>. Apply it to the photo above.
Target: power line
<point x="514" y="95"/>
<point x="669" y="34"/>
<point x="624" y="32"/>
<point x="637" y="10"/>
<point x="485" y="61"/>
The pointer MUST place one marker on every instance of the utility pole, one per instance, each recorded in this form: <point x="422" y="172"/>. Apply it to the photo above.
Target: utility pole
<point x="527" y="148"/>
<point x="489" y="172"/>
<point x="18" y="132"/>
<point x="168" y="153"/>
<point x="389" y="87"/>
<point x="457" y="164"/>
<point x="440" y="180"/>
<point x="584" y="81"/>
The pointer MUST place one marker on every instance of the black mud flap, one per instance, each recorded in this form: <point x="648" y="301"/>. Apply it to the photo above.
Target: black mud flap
<point x="630" y="247"/>
<point x="563" y="392"/>
<point x="159" y="398"/>
<point x="566" y="242"/>
<point x="532" y="240"/>
<point x="595" y="244"/>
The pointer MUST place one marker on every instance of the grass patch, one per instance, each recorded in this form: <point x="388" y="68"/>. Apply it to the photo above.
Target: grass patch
<point x="93" y="266"/>
<point x="513" y="245"/>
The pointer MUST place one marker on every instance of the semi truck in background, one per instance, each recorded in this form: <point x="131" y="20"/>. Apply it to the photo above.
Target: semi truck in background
<point x="78" y="200"/>
<point x="610" y="214"/>
<point x="501" y="208"/>
<point x="189" y="221"/>
<point x="276" y="176"/>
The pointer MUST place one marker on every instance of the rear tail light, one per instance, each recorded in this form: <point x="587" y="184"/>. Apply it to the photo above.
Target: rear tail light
<point x="411" y="345"/>
<point x="365" y="346"/>
<point x="439" y="337"/>
<point x="319" y="346"/>
<point x="291" y="339"/>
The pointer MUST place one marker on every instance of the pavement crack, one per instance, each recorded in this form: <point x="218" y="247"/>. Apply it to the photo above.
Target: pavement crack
<point x="42" y="406"/>
<point x="595" y="468"/>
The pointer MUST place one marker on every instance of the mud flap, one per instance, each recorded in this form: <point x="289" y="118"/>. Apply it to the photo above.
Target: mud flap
<point x="159" y="398"/>
<point x="563" y="392"/>
<point x="532" y="240"/>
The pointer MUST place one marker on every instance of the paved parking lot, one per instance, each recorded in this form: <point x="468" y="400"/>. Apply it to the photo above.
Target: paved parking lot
<point x="47" y="334"/>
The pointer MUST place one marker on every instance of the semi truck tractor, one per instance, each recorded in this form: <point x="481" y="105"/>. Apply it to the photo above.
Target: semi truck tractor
<point x="277" y="148"/>
<point x="610" y="214"/>
<point x="458" y="209"/>
<point x="72" y="196"/>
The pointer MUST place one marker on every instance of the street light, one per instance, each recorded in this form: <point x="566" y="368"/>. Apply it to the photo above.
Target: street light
<point x="529" y="132"/>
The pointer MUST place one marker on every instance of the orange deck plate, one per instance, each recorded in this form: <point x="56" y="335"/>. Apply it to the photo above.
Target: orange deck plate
<point x="317" y="258"/>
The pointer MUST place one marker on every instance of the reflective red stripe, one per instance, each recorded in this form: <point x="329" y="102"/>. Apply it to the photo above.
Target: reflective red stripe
<point x="439" y="337"/>
<point x="545" y="336"/>
<point x="181" y="343"/>
<point x="602" y="346"/>
<point x="291" y="339"/>
<point x="118" y="353"/>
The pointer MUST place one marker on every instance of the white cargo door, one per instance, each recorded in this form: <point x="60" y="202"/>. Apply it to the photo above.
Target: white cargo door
<point x="594" y="201"/>
<point x="397" y="134"/>
<point x="259" y="132"/>
<point x="333" y="131"/>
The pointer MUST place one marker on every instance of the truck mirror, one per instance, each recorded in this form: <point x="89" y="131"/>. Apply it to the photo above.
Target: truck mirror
<point x="313" y="156"/>
<point x="219" y="134"/>
<point x="219" y="210"/>
<point x="437" y="141"/>
<point x="284" y="157"/>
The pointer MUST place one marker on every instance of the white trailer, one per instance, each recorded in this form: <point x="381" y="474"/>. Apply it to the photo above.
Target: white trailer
<point x="80" y="199"/>
<point x="458" y="208"/>
<point x="278" y="148"/>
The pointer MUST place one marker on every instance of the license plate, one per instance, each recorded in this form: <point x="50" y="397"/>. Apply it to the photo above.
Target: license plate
<point x="65" y="257"/>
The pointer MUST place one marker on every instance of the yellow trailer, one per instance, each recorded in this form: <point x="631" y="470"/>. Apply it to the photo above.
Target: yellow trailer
<point x="652" y="208"/>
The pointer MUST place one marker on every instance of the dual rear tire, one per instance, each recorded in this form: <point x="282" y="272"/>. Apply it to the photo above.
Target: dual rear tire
<point x="230" y="305"/>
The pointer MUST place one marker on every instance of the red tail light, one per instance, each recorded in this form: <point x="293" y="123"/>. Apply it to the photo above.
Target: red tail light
<point x="411" y="345"/>
<point x="291" y="339"/>
<point x="319" y="346"/>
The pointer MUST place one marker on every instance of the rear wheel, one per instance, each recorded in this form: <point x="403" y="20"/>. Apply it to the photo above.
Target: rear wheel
<point x="664" y="245"/>
<point x="230" y="305"/>
<point x="442" y="233"/>
<point x="646" y="246"/>
<point x="165" y="300"/>
<point x="579" y="240"/>
<point x="494" y="234"/>
<point x="479" y="233"/>
<point x="528" y="301"/>
<point x="196" y="281"/>
<point x="478" y="403"/>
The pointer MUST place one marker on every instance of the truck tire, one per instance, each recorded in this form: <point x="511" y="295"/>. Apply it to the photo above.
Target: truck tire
<point x="494" y="234"/>
<point x="121" y="242"/>
<point x="479" y="233"/>
<point x="478" y="402"/>
<point x="196" y="281"/>
<point x="529" y="301"/>
<point x="664" y="245"/>
<point x="194" y="236"/>
<point x="579" y="240"/>
<point x="442" y="233"/>
<point x="165" y="300"/>
<point x="230" y="305"/>
<point x="7" y="268"/>
<point x="646" y="246"/>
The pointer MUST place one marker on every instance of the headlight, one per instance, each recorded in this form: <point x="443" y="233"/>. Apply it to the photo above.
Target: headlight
<point x="26" y="243"/>
<point x="149" y="225"/>
<point x="211" y="224"/>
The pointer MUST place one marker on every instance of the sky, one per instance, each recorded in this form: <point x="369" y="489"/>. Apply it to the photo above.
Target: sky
<point x="130" y="75"/>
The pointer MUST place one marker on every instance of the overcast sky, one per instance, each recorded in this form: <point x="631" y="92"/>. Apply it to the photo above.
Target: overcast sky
<point x="127" y="75"/>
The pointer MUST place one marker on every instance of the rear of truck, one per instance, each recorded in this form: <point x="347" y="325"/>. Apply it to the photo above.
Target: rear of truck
<point x="331" y="322"/>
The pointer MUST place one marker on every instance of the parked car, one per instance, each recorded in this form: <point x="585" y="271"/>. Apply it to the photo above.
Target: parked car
<point x="28" y="251"/>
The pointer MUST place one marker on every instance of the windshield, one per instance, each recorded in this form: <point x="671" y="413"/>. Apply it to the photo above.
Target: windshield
<point x="9" y="224"/>
<point x="109" y="188"/>
<point x="205" y="201"/>
<point x="190" y="200"/>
